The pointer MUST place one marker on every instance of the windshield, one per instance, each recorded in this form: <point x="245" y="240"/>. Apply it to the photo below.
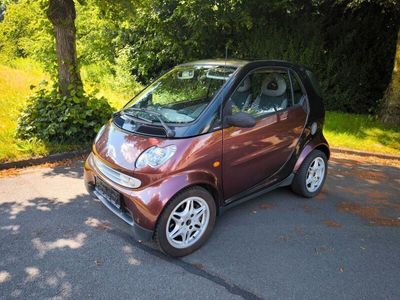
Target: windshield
<point x="180" y="95"/>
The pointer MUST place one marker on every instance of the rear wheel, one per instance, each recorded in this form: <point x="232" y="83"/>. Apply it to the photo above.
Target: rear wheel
<point x="311" y="176"/>
<point x="186" y="222"/>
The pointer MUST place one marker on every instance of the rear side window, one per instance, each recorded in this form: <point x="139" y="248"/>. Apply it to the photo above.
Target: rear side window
<point x="298" y="94"/>
<point x="314" y="82"/>
<point x="263" y="92"/>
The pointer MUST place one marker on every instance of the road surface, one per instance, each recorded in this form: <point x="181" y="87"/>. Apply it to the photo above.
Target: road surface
<point x="56" y="242"/>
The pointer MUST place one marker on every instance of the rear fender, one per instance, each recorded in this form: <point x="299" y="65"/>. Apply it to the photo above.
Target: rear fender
<point x="311" y="146"/>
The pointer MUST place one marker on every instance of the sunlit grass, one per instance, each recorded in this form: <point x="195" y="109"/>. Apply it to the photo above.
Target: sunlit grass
<point x="118" y="94"/>
<point x="361" y="133"/>
<point x="14" y="88"/>
<point x="116" y="99"/>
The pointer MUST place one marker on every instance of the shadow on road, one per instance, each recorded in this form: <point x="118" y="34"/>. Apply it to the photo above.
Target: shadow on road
<point x="68" y="245"/>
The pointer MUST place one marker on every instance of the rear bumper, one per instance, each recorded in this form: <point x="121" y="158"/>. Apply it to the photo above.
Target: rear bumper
<point x="139" y="232"/>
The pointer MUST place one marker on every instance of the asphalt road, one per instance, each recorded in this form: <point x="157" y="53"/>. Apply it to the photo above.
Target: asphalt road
<point x="56" y="242"/>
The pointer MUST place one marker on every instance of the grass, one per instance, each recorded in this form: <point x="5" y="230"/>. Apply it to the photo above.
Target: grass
<point x="14" y="88"/>
<point x="361" y="132"/>
<point x="15" y="82"/>
<point x="341" y="130"/>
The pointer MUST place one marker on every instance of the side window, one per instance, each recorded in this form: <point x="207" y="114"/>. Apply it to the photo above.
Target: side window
<point x="298" y="95"/>
<point x="263" y="92"/>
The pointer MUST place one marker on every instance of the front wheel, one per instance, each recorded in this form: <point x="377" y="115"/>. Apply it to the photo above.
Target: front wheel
<point x="186" y="222"/>
<point x="311" y="176"/>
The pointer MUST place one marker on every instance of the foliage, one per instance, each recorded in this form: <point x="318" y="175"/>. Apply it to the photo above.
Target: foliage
<point x="165" y="33"/>
<point x="335" y="38"/>
<point x="26" y="32"/>
<point x="52" y="118"/>
<point x="338" y="56"/>
<point x="349" y="49"/>
<point x="350" y="44"/>
<point x="362" y="69"/>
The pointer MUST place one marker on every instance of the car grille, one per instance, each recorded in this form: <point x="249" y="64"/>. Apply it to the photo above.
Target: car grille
<point x="116" y="176"/>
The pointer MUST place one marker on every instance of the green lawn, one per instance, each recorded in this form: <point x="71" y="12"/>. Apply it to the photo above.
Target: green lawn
<point x="14" y="88"/>
<point x="342" y="130"/>
<point x="361" y="132"/>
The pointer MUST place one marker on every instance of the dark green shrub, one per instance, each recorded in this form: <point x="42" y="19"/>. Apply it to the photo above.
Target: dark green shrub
<point x="351" y="50"/>
<point x="52" y="118"/>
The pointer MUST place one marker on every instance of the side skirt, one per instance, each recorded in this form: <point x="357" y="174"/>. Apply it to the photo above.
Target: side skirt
<point x="285" y="182"/>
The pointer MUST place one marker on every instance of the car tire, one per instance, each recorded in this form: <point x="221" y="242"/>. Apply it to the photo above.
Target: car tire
<point x="308" y="181"/>
<point x="186" y="222"/>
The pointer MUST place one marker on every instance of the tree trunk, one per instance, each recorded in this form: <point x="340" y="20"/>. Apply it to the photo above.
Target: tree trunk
<point x="62" y="14"/>
<point x="391" y="108"/>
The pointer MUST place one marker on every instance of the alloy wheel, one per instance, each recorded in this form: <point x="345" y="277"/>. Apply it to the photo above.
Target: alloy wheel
<point x="187" y="222"/>
<point x="315" y="174"/>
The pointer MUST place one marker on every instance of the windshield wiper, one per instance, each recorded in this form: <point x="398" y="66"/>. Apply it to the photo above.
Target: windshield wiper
<point x="168" y="131"/>
<point x="148" y="121"/>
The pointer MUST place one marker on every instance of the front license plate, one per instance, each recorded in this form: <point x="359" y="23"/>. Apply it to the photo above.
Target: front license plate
<point x="109" y="193"/>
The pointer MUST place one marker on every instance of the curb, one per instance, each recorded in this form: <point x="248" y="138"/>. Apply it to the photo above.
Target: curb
<point x="364" y="153"/>
<point x="73" y="154"/>
<point x="42" y="160"/>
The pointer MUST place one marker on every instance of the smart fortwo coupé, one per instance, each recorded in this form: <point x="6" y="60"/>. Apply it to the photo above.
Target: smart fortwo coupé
<point x="205" y="136"/>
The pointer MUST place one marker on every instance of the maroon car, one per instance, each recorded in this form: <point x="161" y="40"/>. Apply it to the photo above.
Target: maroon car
<point x="204" y="137"/>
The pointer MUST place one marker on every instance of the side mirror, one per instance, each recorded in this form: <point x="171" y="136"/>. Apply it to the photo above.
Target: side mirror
<point x="241" y="119"/>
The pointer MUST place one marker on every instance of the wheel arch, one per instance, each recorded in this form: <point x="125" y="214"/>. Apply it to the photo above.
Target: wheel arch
<point x="209" y="187"/>
<point x="205" y="185"/>
<point x="308" y="149"/>
<point x="325" y="149"/>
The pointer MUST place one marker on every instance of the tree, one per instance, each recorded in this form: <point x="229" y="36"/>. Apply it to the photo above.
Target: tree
<point x="2" y="10"/>
<point x="391" y="108"/>
<point x="62" y="14"/>
<point x="390" y="112"/>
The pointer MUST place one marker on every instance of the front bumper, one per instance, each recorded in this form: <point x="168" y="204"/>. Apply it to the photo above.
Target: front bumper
<point x="139" y="232"/>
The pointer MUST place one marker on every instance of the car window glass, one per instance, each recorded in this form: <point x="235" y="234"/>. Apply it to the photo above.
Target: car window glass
<point x="181" y="95"/>
<point x="263" y="92"/>
<point x="298" y="95"/>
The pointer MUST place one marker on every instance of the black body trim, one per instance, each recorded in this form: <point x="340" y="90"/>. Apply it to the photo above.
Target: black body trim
<point x="253" y="193"/>
<point x="139" y="232"/>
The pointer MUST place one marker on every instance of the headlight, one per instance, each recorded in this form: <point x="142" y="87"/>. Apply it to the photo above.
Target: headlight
<point x="155" y="156"/>
<point x="99" y="134"/>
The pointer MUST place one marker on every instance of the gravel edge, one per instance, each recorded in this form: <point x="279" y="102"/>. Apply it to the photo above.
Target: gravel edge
<point x="68" y="155"/>
<point x="42" y="160"/>
<point x="364" y="153"/>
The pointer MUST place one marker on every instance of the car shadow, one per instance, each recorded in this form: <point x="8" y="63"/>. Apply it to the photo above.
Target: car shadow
<point x="53" y="247"/>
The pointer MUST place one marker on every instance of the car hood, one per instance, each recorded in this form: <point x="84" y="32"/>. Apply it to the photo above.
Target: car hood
<point x="121" y="148"/>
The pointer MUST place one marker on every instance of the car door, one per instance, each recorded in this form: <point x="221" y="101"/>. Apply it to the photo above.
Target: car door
<point x="252" y="155"/>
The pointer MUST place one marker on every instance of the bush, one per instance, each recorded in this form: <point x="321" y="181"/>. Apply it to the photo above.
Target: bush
<point x="52" y="118"/>
<point x="350" y="50"/>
